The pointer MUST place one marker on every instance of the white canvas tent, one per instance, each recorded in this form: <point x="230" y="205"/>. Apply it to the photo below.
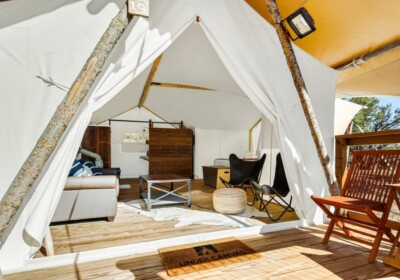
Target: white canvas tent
<point x="344" y="114"/>
<point x="55" y="39"/>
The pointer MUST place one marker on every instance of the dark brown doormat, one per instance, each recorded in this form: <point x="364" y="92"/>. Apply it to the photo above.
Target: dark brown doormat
<point x="194" y="257"/>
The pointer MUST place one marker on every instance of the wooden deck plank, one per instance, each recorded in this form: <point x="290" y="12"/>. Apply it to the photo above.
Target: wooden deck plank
<point x="291" y="254"/>
<point x="129" y="227"/>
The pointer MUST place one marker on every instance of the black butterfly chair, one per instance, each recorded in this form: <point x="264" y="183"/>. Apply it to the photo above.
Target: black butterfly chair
<point x="243" y="171"/>
<point x="279" y="189"/>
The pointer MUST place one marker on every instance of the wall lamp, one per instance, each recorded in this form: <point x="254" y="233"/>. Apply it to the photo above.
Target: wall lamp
<point x="301" y="23"/>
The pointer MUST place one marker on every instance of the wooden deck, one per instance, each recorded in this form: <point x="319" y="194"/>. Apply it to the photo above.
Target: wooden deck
<point x="129" y="227"/>
<point x="291" y="254"/>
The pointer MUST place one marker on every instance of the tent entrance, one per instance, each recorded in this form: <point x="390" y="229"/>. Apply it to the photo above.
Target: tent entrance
<point x="130" y="228"/>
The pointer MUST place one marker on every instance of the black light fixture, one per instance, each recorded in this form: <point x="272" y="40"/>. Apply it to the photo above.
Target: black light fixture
<point x="301" y="23"/>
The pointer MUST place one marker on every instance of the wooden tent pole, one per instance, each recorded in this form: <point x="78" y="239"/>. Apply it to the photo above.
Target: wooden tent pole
<point x="304" y="98"/>
<point x="149" y="80"/>
<point x="17" y="194"/>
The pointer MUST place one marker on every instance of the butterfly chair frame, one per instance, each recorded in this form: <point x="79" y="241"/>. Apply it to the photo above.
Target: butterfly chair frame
<point x="242" y="172"/>
<point x="364" y="204"/>
<point x="276" y="192"/>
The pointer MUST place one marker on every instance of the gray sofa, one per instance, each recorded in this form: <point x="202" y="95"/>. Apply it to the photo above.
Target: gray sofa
<point x="88" y="198"/>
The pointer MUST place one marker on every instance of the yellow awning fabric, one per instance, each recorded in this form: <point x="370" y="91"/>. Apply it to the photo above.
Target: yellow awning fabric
<point x="347" y="30"/>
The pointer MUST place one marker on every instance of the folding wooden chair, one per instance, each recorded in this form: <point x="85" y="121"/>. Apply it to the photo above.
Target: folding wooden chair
<point x="364" y="203"/>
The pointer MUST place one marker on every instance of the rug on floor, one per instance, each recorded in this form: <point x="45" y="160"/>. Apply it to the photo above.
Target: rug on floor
<point x="201" y="212"/>
<point x="194" y="257"/>
<point x="204" y="200"/>
<point x="189" y="216"/>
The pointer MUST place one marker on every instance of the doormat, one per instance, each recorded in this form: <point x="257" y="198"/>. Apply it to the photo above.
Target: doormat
<point x="124" y="186"/>
<point x="195" y="257"/>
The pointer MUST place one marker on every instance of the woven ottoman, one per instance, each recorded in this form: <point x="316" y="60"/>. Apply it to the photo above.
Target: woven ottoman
<point x="229" y="200"/>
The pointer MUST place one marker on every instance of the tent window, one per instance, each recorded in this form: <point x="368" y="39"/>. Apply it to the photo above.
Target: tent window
<point x="136" y="137"/>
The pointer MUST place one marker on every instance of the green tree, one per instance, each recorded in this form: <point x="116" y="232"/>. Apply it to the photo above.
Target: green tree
<point x="375" y="117"/>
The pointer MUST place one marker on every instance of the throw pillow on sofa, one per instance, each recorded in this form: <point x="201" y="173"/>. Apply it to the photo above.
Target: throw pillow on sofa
<point x="78" y="170"/>
<point x="92" y="167"/>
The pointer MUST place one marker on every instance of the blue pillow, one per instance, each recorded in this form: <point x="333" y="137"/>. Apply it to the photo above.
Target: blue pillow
<point x="76" y="166"/>
<point x="95" y="170"/>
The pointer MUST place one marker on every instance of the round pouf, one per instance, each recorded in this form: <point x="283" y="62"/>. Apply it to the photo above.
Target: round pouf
<point x="229" y="200"/>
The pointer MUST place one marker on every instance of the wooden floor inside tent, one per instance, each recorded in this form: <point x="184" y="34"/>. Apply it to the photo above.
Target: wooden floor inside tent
<point x="290" y="254"/>
<point x="199" y="185"/>
<point x="129" y="227"/>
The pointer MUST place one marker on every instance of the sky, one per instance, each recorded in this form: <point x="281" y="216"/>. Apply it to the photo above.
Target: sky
<point x="394" y="100"/>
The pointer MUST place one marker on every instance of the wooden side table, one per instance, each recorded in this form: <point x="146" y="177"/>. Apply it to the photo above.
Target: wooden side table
<point x="393" y="258"/>
<point x="211" y="175"/>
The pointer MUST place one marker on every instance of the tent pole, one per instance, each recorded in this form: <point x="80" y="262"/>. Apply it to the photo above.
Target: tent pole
<point x="365" y="57"/>
<point x="17" y="194"/>
<point x="304" y="98"/>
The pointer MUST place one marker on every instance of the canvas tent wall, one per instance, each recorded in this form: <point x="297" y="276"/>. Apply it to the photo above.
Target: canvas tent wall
<point x="245" y="43"/>
<point x="344" y="114"/>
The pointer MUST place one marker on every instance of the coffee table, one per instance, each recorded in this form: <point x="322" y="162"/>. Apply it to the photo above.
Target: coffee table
<point x="163" y="195"/>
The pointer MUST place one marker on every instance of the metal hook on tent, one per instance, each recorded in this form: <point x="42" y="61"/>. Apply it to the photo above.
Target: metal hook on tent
<point x="358" y="62"/>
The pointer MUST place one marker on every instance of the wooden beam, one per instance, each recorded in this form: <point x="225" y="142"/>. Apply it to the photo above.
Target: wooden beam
<point x="374" y="140"/>
<point x="369" y="138"/>
<point x="146" y="89"/>
<point x="179" y="86"/>
<point x="17" y="195"/>
<point x="251" y="136"/>
<point x="304" y="98"/>
<point x="342" y="152"/>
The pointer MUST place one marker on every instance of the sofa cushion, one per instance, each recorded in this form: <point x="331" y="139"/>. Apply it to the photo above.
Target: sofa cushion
<point x="92" y="182"/>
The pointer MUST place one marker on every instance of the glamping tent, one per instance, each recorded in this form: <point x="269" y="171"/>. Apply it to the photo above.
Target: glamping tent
<point x="47" y="43"/>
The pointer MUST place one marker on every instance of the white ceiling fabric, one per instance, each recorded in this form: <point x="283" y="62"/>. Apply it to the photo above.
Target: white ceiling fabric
<point x="195" y="63"/>
<point x="203" y="109"/>
<point x="190" y="61"/>
<point x="249" y="50"/>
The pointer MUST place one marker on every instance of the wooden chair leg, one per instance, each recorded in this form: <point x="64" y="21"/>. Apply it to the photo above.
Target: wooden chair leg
<point x="375" y="247"/>
<point x="328" y="231"/>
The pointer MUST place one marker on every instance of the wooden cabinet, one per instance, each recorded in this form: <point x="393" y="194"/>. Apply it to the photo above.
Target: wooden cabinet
<point x="97" y="139"/>
<point x="211" y="175"/>
<point x="171" y="151"/>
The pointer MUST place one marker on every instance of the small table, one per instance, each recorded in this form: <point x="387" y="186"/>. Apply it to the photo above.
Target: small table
<point x="163" y="196"/>
<point x="211" y="175"/>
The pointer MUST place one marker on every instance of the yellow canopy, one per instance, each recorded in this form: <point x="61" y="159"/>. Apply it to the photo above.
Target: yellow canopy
<point x="346" y="30"/>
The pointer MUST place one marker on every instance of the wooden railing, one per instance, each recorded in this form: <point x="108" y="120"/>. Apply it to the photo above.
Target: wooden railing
<point x="369" y="138"/>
